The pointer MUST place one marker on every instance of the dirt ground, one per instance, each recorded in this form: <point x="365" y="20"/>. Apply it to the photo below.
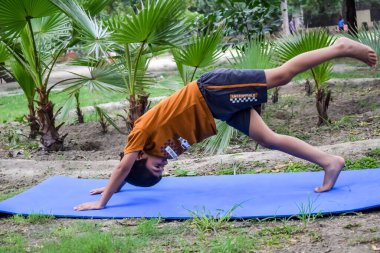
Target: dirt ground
<point x="354" y="131"/>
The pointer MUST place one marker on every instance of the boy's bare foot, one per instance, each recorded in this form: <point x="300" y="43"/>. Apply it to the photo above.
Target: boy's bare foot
<point x="357" y="50"/>
<point x="332" y="171"/>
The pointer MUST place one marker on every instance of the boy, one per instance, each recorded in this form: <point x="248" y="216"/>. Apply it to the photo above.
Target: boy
<point x="186" y="117"/>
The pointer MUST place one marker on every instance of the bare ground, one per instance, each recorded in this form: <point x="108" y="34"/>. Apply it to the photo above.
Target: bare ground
<point x="354" y="131"/>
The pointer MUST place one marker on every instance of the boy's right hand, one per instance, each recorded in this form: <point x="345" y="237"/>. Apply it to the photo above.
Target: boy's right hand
<point x="97" y="190"/>
<point x="96" y="205"/>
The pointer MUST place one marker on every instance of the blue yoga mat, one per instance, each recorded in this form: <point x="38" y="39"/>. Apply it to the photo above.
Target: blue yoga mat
<point x="250" y="196"/>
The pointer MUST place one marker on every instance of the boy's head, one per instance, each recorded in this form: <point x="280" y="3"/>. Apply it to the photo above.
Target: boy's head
<point x="146" y="171"/>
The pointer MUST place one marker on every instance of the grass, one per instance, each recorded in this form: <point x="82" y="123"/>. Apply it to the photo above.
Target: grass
<point x="205" y="221"/>
<point x="10" y="194"/>
<point x="12" y="242"/>
<point x="32" y="218"/>
<point x="344" y="122"/>
<point x="308" y="211"/>
<point x="13" y="108"/>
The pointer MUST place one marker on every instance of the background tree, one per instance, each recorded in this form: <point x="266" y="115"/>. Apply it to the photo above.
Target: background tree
<point x="242" y="18"/>
<point x="285" y="16"/>
<point x="147" y="31"/>
<point x="292" y="46"/>
<point x="350" y="8"/>
<point x="317" y="12"/>
<point x="35" y="34"/>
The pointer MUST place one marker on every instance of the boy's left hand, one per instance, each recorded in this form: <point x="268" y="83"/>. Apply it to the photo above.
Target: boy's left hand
<point x="96" y="205"/>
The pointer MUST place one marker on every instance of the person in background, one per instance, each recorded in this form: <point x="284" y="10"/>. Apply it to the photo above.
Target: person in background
<point x="292" y="26"/>
<point x="341" y="24"/>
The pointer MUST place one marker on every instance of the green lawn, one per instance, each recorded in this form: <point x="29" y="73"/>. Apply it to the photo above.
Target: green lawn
<point x="15" y="107"/>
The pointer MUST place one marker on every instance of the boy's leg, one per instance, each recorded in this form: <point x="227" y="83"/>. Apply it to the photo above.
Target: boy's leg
<point x="332" y="165"/>
<point x="343" y="47"/>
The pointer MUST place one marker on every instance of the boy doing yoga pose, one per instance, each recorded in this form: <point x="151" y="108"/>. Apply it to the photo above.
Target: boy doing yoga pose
<point x="234" y="96"/>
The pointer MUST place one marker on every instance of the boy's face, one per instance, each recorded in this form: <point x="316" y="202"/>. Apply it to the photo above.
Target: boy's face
<point x="155" y="164"/>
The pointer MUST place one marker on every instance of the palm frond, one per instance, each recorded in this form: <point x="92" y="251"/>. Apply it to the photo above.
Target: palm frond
<point x="257" y="55"/>
<point x="28" y="57"/>
<point x="202" y="51"/>
<point x="24" y="79"/>
<point x="218" y="144"/>
<point x="51" y="29"/>
<point x="94" y="35"/>
<point x="66" y="108"/>
<point x="15" y="14"/>
<point x="94" y="7"/>
<point x="103" y="115"/>
<point x="103" y="78"/>
<point x="158" y="22"/>
<point x="4" y="54"/>
<point x="180" y="66"/>
<point x="291" y="46"/>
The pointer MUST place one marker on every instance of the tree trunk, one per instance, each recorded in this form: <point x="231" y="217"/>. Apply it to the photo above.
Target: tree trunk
<point x="308" y="88"/>
<point x="32" y="121"/>
<point x="351" y="17"/>
<point x="136" y="109"/>
<point x="79" y="111"/>
<point x="275" y="95"/>
<point x="50" y="139"/>
<point x="285" y="18"/>
<point x="323" y="100"/>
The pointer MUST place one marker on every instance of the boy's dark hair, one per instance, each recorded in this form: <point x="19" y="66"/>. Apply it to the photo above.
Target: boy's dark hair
<point x="140" y="175"/>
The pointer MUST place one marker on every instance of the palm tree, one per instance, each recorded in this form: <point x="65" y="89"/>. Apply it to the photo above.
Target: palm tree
<point x="35" y="34"/>
<point x="290" y="47"/>
<point x="153" y="28"/>
<point x="92" y="37"/>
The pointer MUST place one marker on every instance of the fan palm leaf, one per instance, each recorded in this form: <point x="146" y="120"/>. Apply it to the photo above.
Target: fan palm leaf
<point x="159" y="22"/>
<point x="24" y="79"/>
<point x="257" y="55"/>
<point x="103" y="78"/>
<point x="4" y="54"/>
<point x="202" y="51"/>
<point x="4" y="57"/>
<point x="15" y="14"/>
<point x="50" y="31"/>
<point x="218" y="143"/>
<point x="93" y="34"/>
<point x="94" y="7"/>
<point x="291" y="46"/>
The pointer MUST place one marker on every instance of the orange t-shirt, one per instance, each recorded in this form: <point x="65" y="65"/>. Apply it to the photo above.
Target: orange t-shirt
<point x="170" y="127"/>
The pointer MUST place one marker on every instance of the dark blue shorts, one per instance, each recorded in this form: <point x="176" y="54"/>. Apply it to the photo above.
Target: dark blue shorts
<point x="231" y="94"/>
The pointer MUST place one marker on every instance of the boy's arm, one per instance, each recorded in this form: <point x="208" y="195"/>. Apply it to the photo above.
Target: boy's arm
<point x="117" y="178"/>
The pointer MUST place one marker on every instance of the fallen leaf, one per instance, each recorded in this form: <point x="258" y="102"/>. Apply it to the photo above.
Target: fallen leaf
<point x="374" y="248"/>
